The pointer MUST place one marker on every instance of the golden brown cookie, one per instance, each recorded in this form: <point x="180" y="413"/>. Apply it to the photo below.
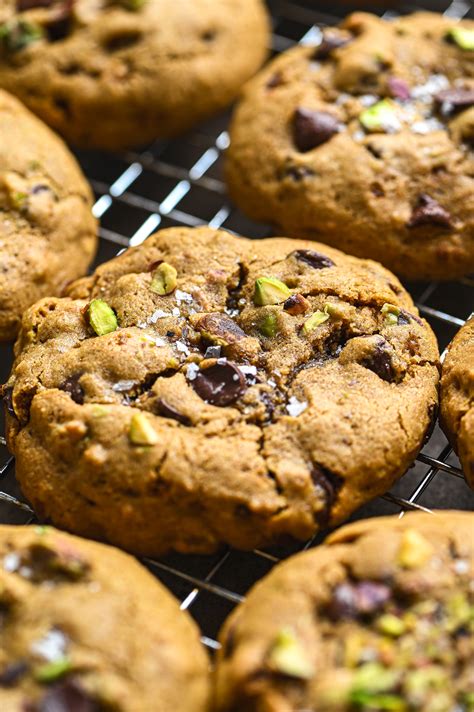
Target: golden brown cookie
<point x="47" y="232"/>
<point x="377" y="618"/>
<point x="115" y="73"/>
<point x="364" y="142"/>
<point x="457" y="397"/>
<point x="85" y="628"/>
<point x="203" y="389"/>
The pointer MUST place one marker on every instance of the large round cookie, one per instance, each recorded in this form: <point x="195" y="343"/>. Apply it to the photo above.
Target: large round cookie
<point x="377" y="618"/>
<point x="239" y="392"/>
<point x="85" y="628"/>
<point x="47" y="232"/>
<point x="116" y="73"/>
<point x="457" y="397"/>
<point x="363" y="143"/>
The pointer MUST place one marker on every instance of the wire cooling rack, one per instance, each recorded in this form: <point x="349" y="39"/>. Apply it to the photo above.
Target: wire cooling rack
<point x="180" y="183"/>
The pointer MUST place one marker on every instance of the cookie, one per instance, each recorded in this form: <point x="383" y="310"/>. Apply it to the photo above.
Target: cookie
<point x="376" y="618"/>
<point x="364" y="142"/>
<point x="203" y="389"/>
<point x="47" y="231"/>
<point x="85" y="628"/>
<point x="116" y="73"/>
<point x="457" y="397"/>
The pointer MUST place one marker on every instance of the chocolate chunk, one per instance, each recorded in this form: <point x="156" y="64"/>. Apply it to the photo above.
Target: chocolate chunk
<point x="220" y="329"/>
<point x="380" y="362"/>
<point x="329" y="43"/>
<point x="68" y="696"/>
<point x="72" y="386"/>
<point x="12" y="673"/>
<point x="313" y="259"/>
<point x="313" y="128"/>
<point x="59" y="25"/>
<point x="330" y="483"/>
<point x="297" y="173"/>
<point x="429" y="212"/>
<point x="455" y="99"/>
<point x="221" y="384"/>
<point x="167" y="411"/>
<point x="7" y="395"/>
<point x="275" y="80"/>
<point x="398" y="88"/>
<point x="351" y="600"/>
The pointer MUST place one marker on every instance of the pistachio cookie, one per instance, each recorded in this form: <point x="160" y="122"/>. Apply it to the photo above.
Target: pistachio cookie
<point x="47" y="231"/>
<point x="457" y="397"/>
<point x="203" y="389"/>
<point x="364" y="142"/>
<point x="116" y="73"/>
<point x="85" y="628"/>
<point x="377" y="618"/>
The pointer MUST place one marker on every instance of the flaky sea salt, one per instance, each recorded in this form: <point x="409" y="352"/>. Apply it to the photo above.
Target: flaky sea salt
<point x="11" y="562"/>
<point x="182" y="296"/>
<point x="51" y="647"/>
<point x="192" y="371"/>
<point x="295" y="407"/>
<point x="158" y="314"/>
<point x="182" y="348"/>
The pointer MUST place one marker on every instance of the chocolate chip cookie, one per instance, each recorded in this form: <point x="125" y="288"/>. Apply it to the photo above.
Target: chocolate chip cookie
<point x="365" y="142"/>
<point x="47" y="232"/>
<point x="85" y="628"/>
<point x="203" y="389"/>
<point x="115" y="73"/>
<point x="457" y="397"/>
<point x="377" y="618"/>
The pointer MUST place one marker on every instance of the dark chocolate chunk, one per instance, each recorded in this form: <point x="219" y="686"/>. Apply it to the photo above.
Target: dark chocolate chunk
<point x="221" y="384"/>
<point x="330" y="483"/>
<point x="220" y="329"/>
<point x="7" y="395"/>
<point x="12" y="673"/>
<point x="313" y="128"/>
<point x="456" y="99"/>
<point x="167" y="411"/>
<point x="329" y="43"/>
<point x="398" y="88"/>
<point x="67" y="696"/>
<point x="380" y="362"/>
<point x="59" y="24"/>
<point x="351" y="600"/>
<point x="429" y="212"/>
<point x="72" y="386"/>
<point x="312" y="258"/>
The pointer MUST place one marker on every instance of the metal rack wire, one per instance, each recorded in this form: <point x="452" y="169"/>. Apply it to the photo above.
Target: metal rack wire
<point x="180" y="183"/>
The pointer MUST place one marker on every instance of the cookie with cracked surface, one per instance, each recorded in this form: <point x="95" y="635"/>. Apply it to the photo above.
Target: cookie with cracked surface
<point x="47" y="231"/>
<point x="78" y="637"/>
<point x="116" y="73"/>
<point x="376" y="618"/>
<point x="457" y="397"/>
<point x="365" y="142"/>
<point x="203" y="389"/>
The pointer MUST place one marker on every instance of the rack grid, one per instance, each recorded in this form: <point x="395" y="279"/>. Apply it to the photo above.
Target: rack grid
<point x="180" y="183"/>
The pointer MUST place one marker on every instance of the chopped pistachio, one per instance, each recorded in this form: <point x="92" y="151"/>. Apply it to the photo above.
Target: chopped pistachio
<point x="418" y="682"/>
<point x="18" y="200"/>
<point x="17" y="35"/>
<point x="381" y="116"/>
<point x="288" y="656"/>
<point x="462" y="36"/>
<point x="315" y="320"/>
<point x="459" y="611"/>
<point x="41" y="530"/>
<point x="377" y="701"/>
<point x="268" y="326"/>
<point x="373" y="678"/>
<point x="269" y="290"/>
<point x="141" y="431"/>
<point x="391" y="313"/>
<point x="391" y="625"/>
<point x="52" y="671"/>
<point x="164" y="279"/>
<point x="102" y="318"/>
<point x="415" y="550"/>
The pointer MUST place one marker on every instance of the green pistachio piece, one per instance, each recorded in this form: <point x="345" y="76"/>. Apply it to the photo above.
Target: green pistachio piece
<point x="315" y="320"/>
<point x="164" y="279"/>
<point x="17" y="35"/>
<point x="459" y="611"/>
<point x="391" y="625"/>
<point x="418" y="682"/>
<point x="141" y="431"/>
<point x="269" y="290"/>
<point x="415" y="550"/>
<point x="101" y="317"/>
<point x="391" y="313"/>
<point x="378" y="701"/>
<point x="52" y="671"/>
<point x="463" y="37"/>
<point x="373" y="678"/>
<point x="268" y="326"/>
<point x="381" y="116"/>
<point x="287" y="656"/>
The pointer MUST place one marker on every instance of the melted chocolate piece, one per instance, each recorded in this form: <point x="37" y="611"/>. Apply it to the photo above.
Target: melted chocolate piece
<point x="7" y="395"/>
<point x="12" y="673"/>
<point x="313" y="128"/>
<point x="72" y="386"/>
<point x="329" y="43"/>
<point x="331" y="484"/>
<point x="353" y="600"/>
<point x="220" y="327"/>
<point x="456" y="99"/>
<point x="398" y="88"/>
<point x="67" y="696"/>
<point x="380" y="362"/>
<point x="313" y="259"/>
<point x="167" y="411"/>
<point x="429" y="212"/>
<point x="221" y="384"/>
<point x="59" y="25"/>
